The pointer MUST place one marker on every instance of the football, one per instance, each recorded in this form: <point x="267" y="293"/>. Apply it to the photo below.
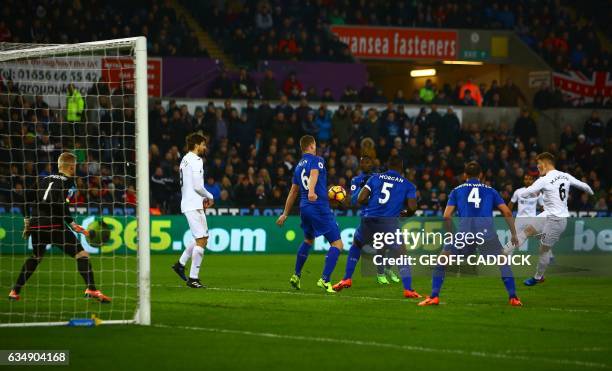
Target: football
<point x="336" y="193"/>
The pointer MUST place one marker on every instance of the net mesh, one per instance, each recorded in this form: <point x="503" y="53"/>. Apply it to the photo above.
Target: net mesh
<point x="77" y="98"/>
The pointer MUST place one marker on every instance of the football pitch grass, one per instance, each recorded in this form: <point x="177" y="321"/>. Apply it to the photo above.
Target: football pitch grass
<point x="250" y="319"/>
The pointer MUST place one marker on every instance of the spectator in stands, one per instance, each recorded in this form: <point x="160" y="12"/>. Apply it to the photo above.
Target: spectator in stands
<point x="75" y="104"/>
<point x="525" y="127"/>
<point x="594" y="129"/>
<point x="341" y="124"/>
<point x="510" y="94"/>
<point x="467" y="99"/>
<point x="263" y="18"/>
<point x="292" y="86"/>
<point x="323" y="123"/>
<point x="223" y="86"/>
<point x="427" y="93"/>
<point x="368" y="92"/>
<point x="474" y="92"/>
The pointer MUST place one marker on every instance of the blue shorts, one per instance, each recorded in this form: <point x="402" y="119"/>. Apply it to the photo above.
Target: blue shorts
<point x="370" y="227"/>
<point x="317" y="221"/>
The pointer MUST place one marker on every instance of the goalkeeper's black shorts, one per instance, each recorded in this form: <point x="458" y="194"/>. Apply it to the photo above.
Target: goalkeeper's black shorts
<point x="62" y="238"/>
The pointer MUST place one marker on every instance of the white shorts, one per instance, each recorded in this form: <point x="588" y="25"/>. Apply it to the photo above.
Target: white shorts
<point x="536" y="222"/>
<point x="197" y="223"/>
<point x="552" y="230"/>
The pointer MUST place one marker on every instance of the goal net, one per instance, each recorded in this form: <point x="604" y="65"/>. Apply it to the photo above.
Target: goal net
<point x="89" y="99"/>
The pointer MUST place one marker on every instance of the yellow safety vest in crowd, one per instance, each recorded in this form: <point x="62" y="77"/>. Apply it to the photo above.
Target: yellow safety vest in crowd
<point x="74" y="106"/>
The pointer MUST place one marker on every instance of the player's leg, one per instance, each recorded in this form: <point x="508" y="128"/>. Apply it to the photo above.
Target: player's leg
<point x="551" y="233"/>
<point x="70" y="245"/>
<point x="197" y="255"/>
<point x="179" y="266"/>
<point x="303" y="251"/>
<point x="354" y="254"/>
<point x="199" y="230"/>
<point x="331" y="258"/>
<point x="437" y="279"/>
<point x="494" y="247"/>
<point x="388" y="271"/>
<point x="405" y="273"/>
<point x="40" y="239"/>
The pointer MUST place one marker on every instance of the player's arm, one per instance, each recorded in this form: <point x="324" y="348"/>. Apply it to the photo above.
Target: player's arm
<point x="449" y="210"/>
<point x="533" y="190"/>
<point x="354" y="192"/>
<point x="313" y="178"/>
<point x="580" y="185"/>
<point x="513" y="201"/>
<point x="411" y="204"/>
<point x="198" y="186"/>
<point x="293" y="193"/>
<point x="364" y="195"/>
<point x="68" y="219"/>
<point x="507" y="213"/>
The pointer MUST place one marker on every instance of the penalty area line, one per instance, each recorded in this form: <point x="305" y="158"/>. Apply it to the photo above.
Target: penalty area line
<point x="410" y="348"/>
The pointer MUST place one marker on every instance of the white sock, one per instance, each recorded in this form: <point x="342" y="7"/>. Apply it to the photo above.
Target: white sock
<point x="509" y="247"/>
<point x="187" y="253"/>
<point x="196" y="260"/>
<point x="543" y="264"/>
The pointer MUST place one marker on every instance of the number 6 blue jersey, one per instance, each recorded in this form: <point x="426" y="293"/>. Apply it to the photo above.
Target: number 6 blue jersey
<point x="301" y="175"/>
<point x="388" y="194"/>
<point x="473" y="199"/>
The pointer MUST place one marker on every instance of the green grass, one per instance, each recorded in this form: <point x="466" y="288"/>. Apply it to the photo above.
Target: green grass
<point x="250" y="319"/>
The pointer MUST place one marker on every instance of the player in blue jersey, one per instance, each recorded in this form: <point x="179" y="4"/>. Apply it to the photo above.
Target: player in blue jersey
<point x="474" y="203"/>
<point x="366" y="165"/>
<point x="310" y="185"/>
<point x="384" y="195"/>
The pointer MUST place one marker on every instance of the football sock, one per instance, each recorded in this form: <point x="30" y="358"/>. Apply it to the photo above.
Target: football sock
<point x="404" y="271"/>
<point x="26" y="271"/>
<point x="521" y="236"/>
<point x="302" y="255"/>
<point x="84" y="266"/>
<point x="196" y="260"/>
<point x="543" y="264"/>
<point x="330" y="262"/>
<point x="380" y="269"/>
<point x="187" y="253"/>
<point x="437" y="280"/>
<point x="351" y="262"/>
<point x="508" y="279"/>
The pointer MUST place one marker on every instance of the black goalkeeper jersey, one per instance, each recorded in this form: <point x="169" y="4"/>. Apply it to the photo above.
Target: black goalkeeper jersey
<point x="49" y="205"/>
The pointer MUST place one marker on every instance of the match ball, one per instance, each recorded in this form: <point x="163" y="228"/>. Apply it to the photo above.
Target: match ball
<point x="99" y="233"/>
<point x="336" y="193"/>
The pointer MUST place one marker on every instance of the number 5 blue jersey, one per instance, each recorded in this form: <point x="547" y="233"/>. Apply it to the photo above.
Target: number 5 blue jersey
<point x="301" y="175"/>
<point x="388" y="194"/>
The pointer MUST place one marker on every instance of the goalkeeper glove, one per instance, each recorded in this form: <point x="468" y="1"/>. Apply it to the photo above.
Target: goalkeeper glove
<point x="78" y="229"/>
<point x="26" y="229"/>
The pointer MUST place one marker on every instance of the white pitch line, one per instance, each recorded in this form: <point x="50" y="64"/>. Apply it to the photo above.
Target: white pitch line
<point x="411" y="348"/>
<point x="372" y="298"/>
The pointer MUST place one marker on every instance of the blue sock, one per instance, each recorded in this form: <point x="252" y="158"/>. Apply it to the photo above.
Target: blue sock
<point x="351" y="262"/>
<point x="302" y="255"/>
<point x="380" y="269"/>
<point x="508" y="279"/>
<point x="404" y="272"/>
<point x="330" y="262"/>
<point x="437" y="280"/>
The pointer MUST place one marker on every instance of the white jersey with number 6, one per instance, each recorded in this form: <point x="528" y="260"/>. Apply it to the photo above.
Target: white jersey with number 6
<point x="192" y="182"/>
<point x="554" y="186"/>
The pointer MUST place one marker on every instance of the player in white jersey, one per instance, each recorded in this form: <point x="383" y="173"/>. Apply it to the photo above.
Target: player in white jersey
<point x="194" y="199"/>
<point x="527" y="224"/>
<point x="554" y="185"/>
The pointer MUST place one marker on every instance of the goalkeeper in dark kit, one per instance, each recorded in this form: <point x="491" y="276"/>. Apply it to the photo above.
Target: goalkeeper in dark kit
<point x="48" y="221"/>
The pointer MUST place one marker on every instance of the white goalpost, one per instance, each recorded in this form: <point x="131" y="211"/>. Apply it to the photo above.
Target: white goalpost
<point x="90" y="99"/>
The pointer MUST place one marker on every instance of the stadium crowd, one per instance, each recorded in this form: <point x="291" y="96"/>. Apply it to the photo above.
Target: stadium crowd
<point x="61" y="22"/>
<point x="260" y="30"/>
<point x="252" y="151"/>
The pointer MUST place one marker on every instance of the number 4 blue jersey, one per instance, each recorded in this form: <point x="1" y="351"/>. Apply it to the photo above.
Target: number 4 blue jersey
<point x="474" y="204"/>
<point x="388" y="194"/>
<point x="473" y="199"/>
<point x="301" y="175"/>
